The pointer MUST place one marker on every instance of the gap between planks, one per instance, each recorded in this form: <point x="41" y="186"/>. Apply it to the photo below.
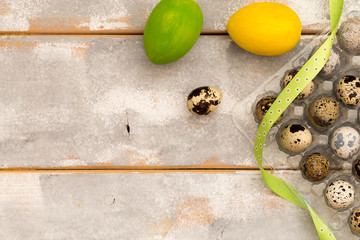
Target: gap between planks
<point x="118" y="34"/>
<point x="150" y="169"/>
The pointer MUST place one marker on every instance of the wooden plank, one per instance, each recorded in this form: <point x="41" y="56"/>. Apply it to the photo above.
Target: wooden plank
<point x="67" y="101"/>
<point x="154" y="206"/>
<point x="117" y="16"/>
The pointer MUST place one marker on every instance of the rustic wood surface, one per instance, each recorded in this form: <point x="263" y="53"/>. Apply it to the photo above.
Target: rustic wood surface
<point x="225" y="205"/>
<point x="67" y="101"/>
<point x="118" y="16"/>
<point x="68" y="98"/>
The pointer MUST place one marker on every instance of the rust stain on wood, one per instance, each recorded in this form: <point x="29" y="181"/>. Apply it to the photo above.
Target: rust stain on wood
<point x="80" y="51"/>
<point x="213" y="161"/>
<point x="105" y="164"/>
<point x="194" y="211"/>
<point x="18" y="45"/>
<point x="155" y="98"/>
<point x="58" y="24"/>
<point x="191" y="211"/>
<point x="72" y="157"/>
<point x="142" y="159"/>
<point x="272" y="204"/>
<point x="163" y="226"/>
<point x="126" y="20"/>
<point x="4" y="8"/>
<point x="83" y="24"/>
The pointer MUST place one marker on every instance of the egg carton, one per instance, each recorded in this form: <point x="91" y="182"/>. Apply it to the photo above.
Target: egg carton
<point x="324" y="86"/>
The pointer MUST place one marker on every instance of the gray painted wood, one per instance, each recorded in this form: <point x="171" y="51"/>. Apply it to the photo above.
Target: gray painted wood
<point x="153" y="206"/>
<point x="67" y="101"/>
<point x="118" y="16"/>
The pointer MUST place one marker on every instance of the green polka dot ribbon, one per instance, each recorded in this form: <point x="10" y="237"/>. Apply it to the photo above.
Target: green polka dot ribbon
<point x="306" y="74"/>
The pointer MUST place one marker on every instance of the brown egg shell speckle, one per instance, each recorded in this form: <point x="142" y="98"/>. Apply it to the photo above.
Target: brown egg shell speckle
<point x="349" y="35"/>
<point x="323" y="112"/>
<point x="295" y="138"/>
<point x="356" y="168"/>
<point x="262" y="106"/>
<point x="354" y="221"/>
<point x="348" y="90"/>
<point x="315" y="167"/>
<point x="204" y="100"/>
<point x="340" y="194"/>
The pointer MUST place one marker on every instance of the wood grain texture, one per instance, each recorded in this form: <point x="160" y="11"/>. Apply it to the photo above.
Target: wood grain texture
<point x="118" y="16"/>
<point x="154" y="206"/>
<point x="67" y="102"/>
<point x="97" y="103"/>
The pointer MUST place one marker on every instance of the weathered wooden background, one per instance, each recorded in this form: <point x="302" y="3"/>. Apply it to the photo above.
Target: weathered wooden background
<point x="119" y="17"/>
<point x="74" y="75"/>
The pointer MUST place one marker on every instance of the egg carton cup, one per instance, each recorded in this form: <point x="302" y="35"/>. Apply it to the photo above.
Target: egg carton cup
<point x="322" y="150"/>
<point x="276" y="156"/>
<point x="350" y="211"/>
<point x="339" y="219"/>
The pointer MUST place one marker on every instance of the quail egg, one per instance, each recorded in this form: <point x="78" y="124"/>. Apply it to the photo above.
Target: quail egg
<point x="356" y="168"/>
<point x="354" y="221"/>
<point x="307" y="90"/>
<point x="332" y="64"/>
<point x="345" y="142"/>
<point x="204" y="100"/>
<point x="323" y="112"/>
<point x="349" y="36"/>
<point x="340" y="194"/>
<point x="315" y="167"/>
<point x="263" y="106"/>
<point x="295" y="138"/>
<point x="348" y="90"/>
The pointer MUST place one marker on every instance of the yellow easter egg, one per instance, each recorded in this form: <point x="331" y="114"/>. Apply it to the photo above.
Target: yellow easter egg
<point x="265" y="28"/>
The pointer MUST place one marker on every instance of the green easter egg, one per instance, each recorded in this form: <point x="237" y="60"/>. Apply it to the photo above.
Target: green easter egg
<point x="172" y="30"/>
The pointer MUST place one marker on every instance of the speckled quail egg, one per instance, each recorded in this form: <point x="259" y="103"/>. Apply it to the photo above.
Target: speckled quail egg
<point x="263" y="106"/>
<point x="307" y="90"/>
<point x="332" y="64"/>
<point x="349" y="36"/>
<point x="315" y="167"/>
<point x="204" y="100"/>
<point x="323" y="112"/>
<point x="348" y="90"/>
<point x="356" y="168"/>
<point x="295" y="138"/>
<point x="354" y="221"/>
<point x="345" y="142"/>
<point x="340" y="194"/>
